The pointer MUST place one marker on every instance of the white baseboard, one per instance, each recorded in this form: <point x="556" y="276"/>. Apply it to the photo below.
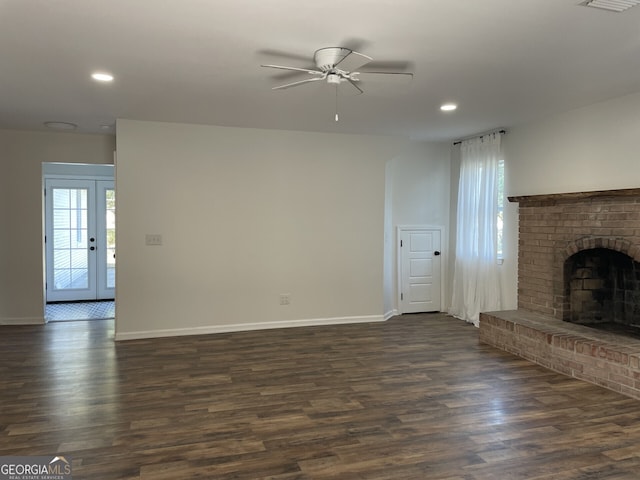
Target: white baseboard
<point x="243" y="327"/>
<point x="22" y="321"/>
<point x="390" y="314"/>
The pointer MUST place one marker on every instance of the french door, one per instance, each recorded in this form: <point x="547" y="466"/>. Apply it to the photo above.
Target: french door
<point x="80" y="239"/>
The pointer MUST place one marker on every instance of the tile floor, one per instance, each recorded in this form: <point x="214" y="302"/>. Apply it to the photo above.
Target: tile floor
<point x="60" y="312"/>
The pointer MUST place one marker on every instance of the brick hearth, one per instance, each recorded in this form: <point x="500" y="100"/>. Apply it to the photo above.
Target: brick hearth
<point x="602" y="358"/>
<point x="552" y="228"/>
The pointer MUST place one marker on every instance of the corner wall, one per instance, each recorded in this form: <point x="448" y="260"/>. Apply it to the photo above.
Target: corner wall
<point x="418" y="183"/>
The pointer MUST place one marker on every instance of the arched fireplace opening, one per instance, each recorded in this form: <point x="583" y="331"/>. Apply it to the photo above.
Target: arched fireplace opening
<point x="603" y="290"/>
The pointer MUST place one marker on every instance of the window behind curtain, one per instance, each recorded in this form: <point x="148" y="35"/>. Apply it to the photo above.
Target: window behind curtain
<point x="500" y="201"/>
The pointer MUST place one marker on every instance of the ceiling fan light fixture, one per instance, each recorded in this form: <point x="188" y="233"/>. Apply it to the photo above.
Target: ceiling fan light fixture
<point x="333" y="79"/>
<point x="448" y="107"/>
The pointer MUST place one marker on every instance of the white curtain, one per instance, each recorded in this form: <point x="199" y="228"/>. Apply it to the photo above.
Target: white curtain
<point x="476" y="279"/>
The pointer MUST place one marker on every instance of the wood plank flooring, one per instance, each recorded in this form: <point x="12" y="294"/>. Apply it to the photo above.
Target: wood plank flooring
<point x="417" y="397"/>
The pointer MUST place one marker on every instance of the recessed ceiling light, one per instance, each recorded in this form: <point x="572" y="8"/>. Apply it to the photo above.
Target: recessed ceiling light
<point x="448" y="107"/>
<point x="61" y="125"/>
<point x="102" y="77"/>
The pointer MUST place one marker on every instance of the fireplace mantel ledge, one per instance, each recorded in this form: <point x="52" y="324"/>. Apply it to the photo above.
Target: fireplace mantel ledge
<point x="551" y="197"/>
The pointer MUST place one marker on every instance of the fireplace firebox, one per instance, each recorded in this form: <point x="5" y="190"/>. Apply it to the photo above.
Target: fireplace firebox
<point x="603" y="287"/>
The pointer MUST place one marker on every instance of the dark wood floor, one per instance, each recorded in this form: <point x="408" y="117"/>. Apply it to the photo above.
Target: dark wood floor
<point x="416" y="397"/>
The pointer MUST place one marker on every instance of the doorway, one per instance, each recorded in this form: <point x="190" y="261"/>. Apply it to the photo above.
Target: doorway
<point x="79" y="221"/>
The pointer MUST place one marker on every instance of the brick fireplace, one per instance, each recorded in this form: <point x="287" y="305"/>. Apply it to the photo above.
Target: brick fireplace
<point x="577" y="260"/>
<point x="555" y="227"/>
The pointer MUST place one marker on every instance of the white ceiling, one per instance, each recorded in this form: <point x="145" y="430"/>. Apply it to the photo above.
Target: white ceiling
<point x="198" y="61"/>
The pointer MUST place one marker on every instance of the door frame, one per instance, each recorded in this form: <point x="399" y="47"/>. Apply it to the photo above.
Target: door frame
<point x="68" y="171"/>
<point x="402" y="229"/>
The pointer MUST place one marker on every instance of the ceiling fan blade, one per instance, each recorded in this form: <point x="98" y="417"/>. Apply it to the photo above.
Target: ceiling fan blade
<point x="396" y="78"/>
<point x="357" y="90"/>
<point x="353" y="61"/>
<point x="308" y="80"/>
<point x="295" y="69"/>
<point x="355" y="44"/>
<point x="391" y="66"/>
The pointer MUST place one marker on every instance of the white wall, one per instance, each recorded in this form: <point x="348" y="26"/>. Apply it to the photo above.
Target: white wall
<point x="247" y="215"/>
<point x="21" y="247"/>
<point x="417" y="194"/>
<point x="591" y="148"/>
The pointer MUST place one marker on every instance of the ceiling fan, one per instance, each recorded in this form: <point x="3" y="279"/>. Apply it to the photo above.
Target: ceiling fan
<point x="341" y="66"/>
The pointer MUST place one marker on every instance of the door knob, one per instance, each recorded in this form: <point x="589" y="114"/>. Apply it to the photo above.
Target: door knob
<point x="92" y="239"/>
<point x="92" y="248"/>
<point x="436" y="253"/>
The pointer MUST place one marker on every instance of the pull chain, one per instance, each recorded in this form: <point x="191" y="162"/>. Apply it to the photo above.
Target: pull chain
<point x="336" y="103"/>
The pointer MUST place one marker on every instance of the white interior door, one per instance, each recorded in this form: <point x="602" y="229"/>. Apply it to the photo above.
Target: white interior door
<point x="420" y="270"/>
<point x="77" y="222"/>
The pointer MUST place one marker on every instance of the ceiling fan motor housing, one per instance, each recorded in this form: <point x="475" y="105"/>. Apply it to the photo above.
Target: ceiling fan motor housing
<point x="327" y="58"/>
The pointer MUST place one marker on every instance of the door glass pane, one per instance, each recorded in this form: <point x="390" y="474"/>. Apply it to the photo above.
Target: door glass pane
<point x="78" y="218"/>
<point x="61" y="278"/>
<point x="79" y="278"/>
<point x="61" y="197"/>
<point x="79" y="259"/>
<point x="70" y="254"/>
<point x="61" y="259"/>
<point x="78" y="238"/>
<point x="61" y="240"/>
<point x="61" y="217"/>
<point x="111" y="237"/>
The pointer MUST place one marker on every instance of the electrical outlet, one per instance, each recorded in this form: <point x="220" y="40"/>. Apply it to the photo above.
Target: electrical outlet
<point x="285" y="299"/>
<point x="153" y="239"/>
